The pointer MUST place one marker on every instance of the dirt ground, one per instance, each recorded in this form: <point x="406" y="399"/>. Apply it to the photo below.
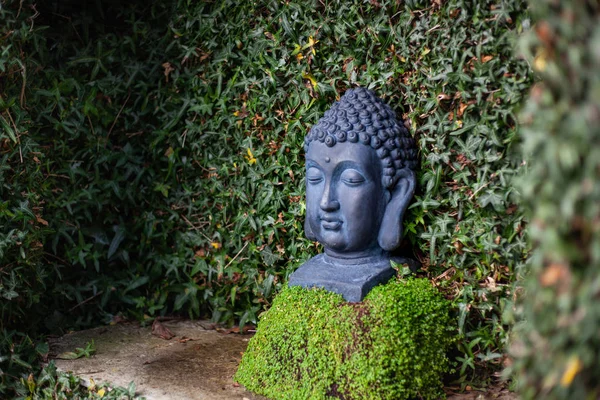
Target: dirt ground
<point x="198" y="362"/>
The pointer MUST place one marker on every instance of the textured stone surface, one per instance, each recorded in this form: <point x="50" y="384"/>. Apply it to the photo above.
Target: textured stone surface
<point x="351" y="281"/>
<point x="198" y="363"/>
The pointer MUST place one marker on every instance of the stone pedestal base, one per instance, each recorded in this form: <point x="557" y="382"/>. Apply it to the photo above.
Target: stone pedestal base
<point x="352" y="281"/>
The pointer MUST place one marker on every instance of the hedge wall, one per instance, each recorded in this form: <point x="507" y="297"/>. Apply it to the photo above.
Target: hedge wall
<point x="152" y="159"/>
<point x="556" y="346"/>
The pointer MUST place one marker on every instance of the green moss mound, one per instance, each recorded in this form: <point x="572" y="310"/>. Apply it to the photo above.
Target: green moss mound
<point x="313" y="344"/>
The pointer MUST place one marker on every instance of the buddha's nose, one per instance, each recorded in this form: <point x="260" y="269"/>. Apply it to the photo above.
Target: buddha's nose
<point x="328" y="200"/>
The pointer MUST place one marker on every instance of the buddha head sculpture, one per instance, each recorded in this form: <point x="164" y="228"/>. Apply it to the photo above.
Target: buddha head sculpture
<point x="360" y="163"/>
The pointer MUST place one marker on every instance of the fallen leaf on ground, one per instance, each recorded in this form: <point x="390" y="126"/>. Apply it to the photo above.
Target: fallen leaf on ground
<point x="161" y="331"/>
<point x="236" y="329"/>
<point x="69" y="355"/>
<point x="117" y="319"/>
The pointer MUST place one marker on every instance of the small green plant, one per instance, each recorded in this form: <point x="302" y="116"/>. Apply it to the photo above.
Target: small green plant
<point x="312" y="344"/>
<point x="52" y="384"/>
<point x="89" y="350"/>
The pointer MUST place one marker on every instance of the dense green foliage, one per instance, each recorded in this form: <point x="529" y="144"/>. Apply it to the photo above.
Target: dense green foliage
<point x="312" y="344"/>
<point x="151" y="157"/>
<point x="56" y="385"/>
<point x="556" y="347"/>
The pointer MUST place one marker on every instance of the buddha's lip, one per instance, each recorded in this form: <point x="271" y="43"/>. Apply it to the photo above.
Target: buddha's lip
<point x="331" y="226"/>
<point x="328" y="218"/>
<point x="330" y="223"/>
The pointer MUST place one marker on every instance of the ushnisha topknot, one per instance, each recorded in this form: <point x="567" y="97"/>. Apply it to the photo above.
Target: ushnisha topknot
<point x="361" y="117"/>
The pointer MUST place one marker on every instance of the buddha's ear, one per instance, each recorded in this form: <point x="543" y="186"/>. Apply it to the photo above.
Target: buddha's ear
<point x="390" y="232"/>
<point x="308" y="230"/>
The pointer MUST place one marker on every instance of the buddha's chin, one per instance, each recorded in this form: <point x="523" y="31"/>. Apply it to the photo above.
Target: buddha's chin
<point x="337" y="245"/>
<point x="333" y="239"/>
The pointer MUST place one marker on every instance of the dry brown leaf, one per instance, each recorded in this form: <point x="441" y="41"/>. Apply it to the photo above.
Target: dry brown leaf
<point x="168" y="69"/>
<point x="554" y="273"/>
<point x="117" y="319"/>
<point x="443" y="97"/>
<point x="236" y="329"/>
<point x="161" y="331"/>
<point x="200" y="253"/>
<point x="544" y="32"/>
<point x="280" y="217"/>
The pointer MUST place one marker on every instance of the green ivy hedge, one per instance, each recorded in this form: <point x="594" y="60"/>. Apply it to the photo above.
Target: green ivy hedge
<point x="556" y="345"/>
<point x="155" y="165"/>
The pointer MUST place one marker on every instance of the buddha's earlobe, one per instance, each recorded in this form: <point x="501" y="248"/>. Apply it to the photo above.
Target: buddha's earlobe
<point x="390" y="232"/>
<point x="308" y="230"/>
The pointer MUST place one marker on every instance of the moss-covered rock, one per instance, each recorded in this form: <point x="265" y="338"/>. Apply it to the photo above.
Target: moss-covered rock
<point x="313" y="344"/>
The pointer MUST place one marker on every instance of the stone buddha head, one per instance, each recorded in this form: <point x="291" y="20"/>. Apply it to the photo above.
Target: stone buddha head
<point x="360" y="163"/>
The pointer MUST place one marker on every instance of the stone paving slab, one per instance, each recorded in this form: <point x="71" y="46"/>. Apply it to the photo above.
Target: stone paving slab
<point x="198" y="363"/>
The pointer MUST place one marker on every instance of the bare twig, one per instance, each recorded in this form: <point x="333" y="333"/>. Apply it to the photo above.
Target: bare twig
<point x="478" y="190"/>
<point x="20" y="8"/>
<point x="117" y="117"/>
<point x="194" y="227"/>
<point x="34" y="16"/>
<point x="23" y="85"/>
<point x="433" y="29"/>
<point x="189" y="222"/>
<point x="17" y="134"/>
<point x="86" y="300"/>
<point x="57" y="257"/>
<point x="91" y="126"/>
<point x="236" y="256"/>
<point x="59" y="176"/>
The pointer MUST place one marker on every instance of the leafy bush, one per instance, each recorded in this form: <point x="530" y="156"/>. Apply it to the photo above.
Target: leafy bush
<point x="53" y="384"/>
<point x="23" y="230"/>
<point x="556" y="346"/>
<point x="312" y="344"/>
<point x="162" y="145"/>
<point x="258" y="75"/>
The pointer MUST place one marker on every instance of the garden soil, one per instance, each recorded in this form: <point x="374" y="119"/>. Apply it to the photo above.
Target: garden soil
<point x="197" y="362"/>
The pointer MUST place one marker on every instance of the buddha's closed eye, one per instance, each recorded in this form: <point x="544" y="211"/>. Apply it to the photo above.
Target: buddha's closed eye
<point x="314" y="175"/>
<point x="352" y="177"/>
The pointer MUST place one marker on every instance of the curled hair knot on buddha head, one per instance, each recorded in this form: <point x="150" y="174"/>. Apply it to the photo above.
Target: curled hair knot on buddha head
<point x="360" y="116"/>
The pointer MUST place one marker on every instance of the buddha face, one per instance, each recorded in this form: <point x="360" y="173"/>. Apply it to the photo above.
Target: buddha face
<point x="345" y="198"/>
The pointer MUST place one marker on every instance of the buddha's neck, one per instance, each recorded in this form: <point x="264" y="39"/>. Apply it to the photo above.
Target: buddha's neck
<point x="371" y="256"/>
